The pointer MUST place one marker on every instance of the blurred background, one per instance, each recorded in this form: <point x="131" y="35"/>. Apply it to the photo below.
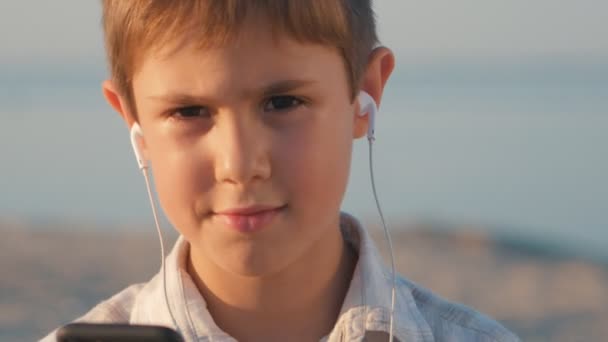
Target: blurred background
<point x="491" y="164"/>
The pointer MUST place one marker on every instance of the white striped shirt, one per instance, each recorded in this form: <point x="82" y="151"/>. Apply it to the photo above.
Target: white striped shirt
<point x="365" y="314"/>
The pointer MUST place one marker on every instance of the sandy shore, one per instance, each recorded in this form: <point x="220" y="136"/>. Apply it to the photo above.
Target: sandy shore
<point x="49" y="278"/>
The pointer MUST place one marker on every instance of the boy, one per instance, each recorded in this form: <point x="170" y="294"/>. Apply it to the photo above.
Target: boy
<point x="248" y="112"/>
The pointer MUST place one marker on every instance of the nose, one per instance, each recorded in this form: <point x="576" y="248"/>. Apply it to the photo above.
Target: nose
<point x="241" y="150"/>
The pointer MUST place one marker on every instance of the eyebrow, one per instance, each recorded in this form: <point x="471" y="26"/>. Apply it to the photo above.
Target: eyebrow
<point x="279" y="87"/>
<point x="286" y="86"/>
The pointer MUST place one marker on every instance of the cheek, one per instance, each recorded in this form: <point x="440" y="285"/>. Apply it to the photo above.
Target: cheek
<point x="182" y="179"/>
<point x="315" y="166"/>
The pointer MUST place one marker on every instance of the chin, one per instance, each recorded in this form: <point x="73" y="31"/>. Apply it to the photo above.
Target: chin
<point x="254" y="261"/>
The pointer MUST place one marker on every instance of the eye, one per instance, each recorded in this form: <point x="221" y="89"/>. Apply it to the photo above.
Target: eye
<point x="192" y="112"/>
<point x="282" y="103"/>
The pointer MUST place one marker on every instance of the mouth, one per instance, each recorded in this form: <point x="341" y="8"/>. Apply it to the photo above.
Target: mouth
<point x="249" y="219"/>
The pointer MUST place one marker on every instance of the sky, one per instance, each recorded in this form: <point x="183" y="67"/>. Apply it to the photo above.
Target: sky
<point x="68" y="31"/>
<point x="528" y="154"/>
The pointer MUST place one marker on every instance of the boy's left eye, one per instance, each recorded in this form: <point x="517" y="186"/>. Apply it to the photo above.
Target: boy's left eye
<point x="281" y="103"/>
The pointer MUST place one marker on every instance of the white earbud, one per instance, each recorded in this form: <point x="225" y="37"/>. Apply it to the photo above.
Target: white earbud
<point x="368" y="105"/>
<point x="137" y="134"/>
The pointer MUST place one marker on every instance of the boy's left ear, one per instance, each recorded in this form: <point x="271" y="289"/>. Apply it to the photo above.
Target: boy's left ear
<point x="380" y="65"/>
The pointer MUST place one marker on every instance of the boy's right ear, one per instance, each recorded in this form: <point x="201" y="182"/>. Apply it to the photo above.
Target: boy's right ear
<point x="117" y="101"/>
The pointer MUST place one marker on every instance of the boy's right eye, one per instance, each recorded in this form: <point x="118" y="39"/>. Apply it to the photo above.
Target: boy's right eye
<point x="191" y="112"/>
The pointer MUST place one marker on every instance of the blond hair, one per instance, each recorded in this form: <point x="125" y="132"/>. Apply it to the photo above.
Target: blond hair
<point x="134" y="28"/>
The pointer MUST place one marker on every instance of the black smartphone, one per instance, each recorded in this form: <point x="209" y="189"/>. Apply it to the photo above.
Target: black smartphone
<point x="90" y="332"/>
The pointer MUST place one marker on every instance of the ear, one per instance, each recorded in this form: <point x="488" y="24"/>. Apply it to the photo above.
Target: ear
<point x="118" y="102"/>
<point x="380" y="65"/>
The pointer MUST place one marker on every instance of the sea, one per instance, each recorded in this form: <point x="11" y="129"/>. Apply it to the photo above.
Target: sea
<point x="514" y="149"/>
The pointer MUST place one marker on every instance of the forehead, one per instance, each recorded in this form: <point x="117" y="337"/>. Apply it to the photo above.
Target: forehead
<point x="256" y="56"/>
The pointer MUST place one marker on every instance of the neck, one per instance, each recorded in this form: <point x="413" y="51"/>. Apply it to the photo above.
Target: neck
<point x="303" y="300"/>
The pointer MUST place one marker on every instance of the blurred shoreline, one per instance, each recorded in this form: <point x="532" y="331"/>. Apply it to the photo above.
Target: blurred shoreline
<point x="541" y="294"/>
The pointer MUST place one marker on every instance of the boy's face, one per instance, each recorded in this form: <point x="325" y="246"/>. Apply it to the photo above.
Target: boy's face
<point x="260" y="122"/>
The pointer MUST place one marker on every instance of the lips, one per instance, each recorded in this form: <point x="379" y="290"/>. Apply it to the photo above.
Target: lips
<point x="248" y="210"/>
<point x="249" y="219"/>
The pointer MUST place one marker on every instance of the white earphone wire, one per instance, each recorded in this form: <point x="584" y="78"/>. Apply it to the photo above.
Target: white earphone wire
<point x="387" y="235"/>
<point x="163" y="254"/>
<point x="162" y="244"/>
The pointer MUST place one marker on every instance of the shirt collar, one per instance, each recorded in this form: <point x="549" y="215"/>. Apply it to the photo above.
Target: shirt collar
<point x="188" y="305"/>
<point x="366" y="306"/>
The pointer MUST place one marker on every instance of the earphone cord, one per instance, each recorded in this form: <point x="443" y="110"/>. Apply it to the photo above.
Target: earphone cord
<point x="162" y="245"/>
<point x="387" y="235"/>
